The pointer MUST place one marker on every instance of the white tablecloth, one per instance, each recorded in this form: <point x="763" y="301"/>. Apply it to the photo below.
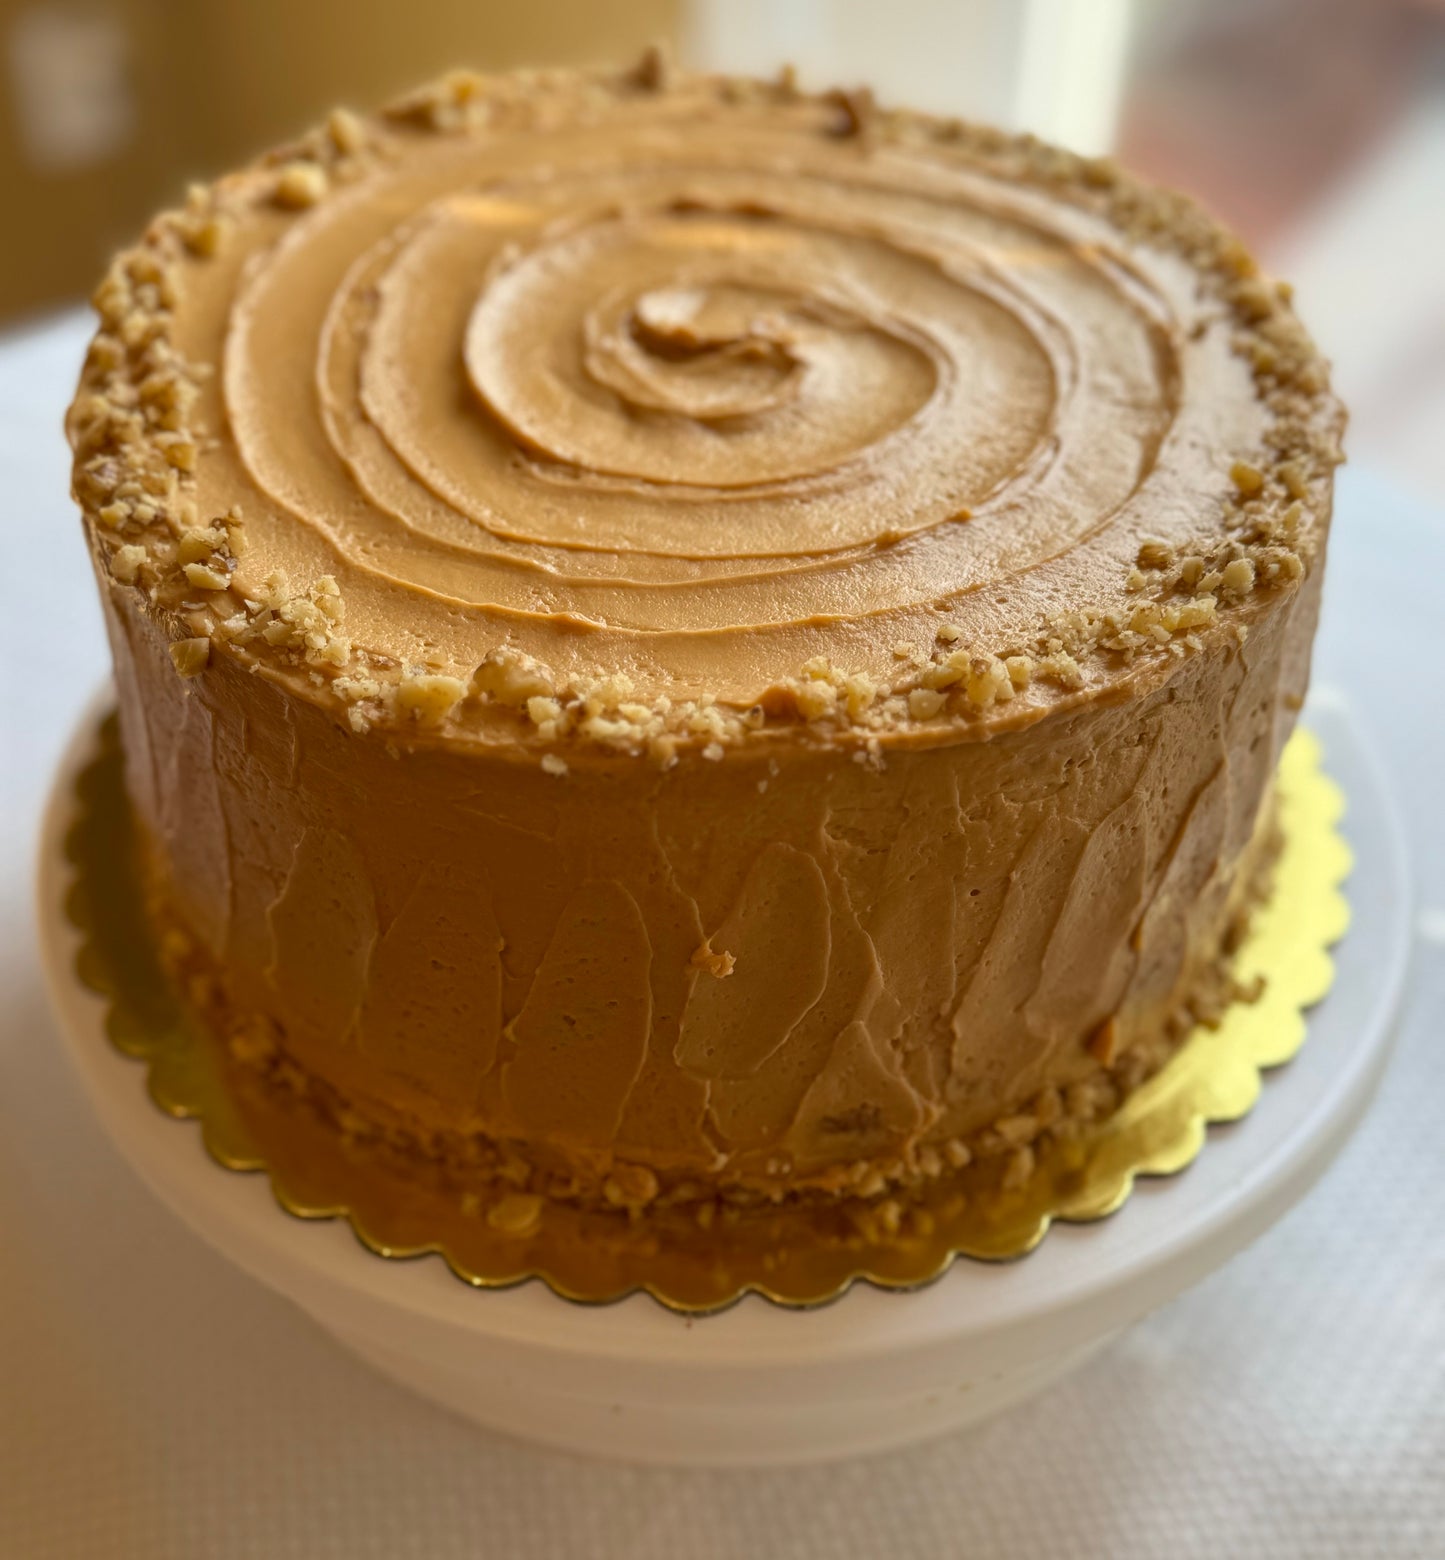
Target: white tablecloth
<point x="156" y="1405"/>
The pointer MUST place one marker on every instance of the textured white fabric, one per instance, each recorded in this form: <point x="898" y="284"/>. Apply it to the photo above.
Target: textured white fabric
<point x="154" y="1403"/>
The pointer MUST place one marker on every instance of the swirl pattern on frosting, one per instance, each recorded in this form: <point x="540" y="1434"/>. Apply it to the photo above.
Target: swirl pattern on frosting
<point x="694" y="392"/>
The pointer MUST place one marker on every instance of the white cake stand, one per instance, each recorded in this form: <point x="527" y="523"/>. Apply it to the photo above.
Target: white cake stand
<point x="759" y="1384"/>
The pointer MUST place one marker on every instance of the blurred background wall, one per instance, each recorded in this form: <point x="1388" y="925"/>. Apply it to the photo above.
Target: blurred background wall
<point x="1315" y="126"/>
<point x="109" y="107"/>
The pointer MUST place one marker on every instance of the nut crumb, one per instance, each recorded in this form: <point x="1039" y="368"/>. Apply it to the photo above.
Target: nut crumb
<point x="203" y="235"/>
<point x="1020" y="670"/>
<point x="348" y="134"/>
<point x="1248" y="479"/>
<point x="718" y="964"/>
<point x="518" y="1213"/>
<point x="817" y="699"/>
<point x="204" y="577"/>
<point x="190" y="656"/>
<point x="125" y="563"/>
<point x="1103" y="1044"/>
<point x="855" y="109"/>
<point x="630" y="1186"/>
<point x="1019" y="1169"/>
<point x="653" y="71"/>
<point x="430" y="697"/>
<point x="300" y="184"/>
<point x="1294" y="481"/>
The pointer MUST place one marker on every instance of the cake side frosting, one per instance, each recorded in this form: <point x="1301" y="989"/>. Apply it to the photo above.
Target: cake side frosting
<point x="676" y="635"/>
<point x="777" y="970"/>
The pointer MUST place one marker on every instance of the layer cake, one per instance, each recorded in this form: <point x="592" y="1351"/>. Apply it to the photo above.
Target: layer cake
<point x="681" y="640"/>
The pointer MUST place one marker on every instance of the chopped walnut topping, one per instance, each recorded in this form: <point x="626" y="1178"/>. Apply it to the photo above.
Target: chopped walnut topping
<point x="856" y="110"/>
<point x="347" y="132"/>
<point x="199" y="545"/>
<point x="953" y="668"/>
<point x="204" y="235"/>
<point x="1060" y="667"/>
<point x="816" y="700"/>
<point x="190" y="656"/>
<point x="518" y="1213"/>
<point x="512" y="678"/>
<point x="859" y="692"/>
<point x="1020" y="670"/>
<point x="653" y="70"/>
<point x="308" y="623"/>
<point x="203" y="577"/>
<point x="1103" y="1044"/>
<point x="630" y="1186"/>
<point x="125" y="563"/>
<point x="1248" y="479"/>
<point x="717" y="964"/>
<point x="988" y="682"/>
<point x="179" y="452"/>
<point x="456" y="103"/>
<point x="1019" y="1169"/>
<point x="546" y="713"/>
<point x="957" y="1153"/>
<point x="300" y="184"/>
<point x="925" y="703"/>
<point x="1018" y="1129"/>
<point x="430" y="696"/>
<point x="1294" y="480"/>
<point x="1190" y="614"/>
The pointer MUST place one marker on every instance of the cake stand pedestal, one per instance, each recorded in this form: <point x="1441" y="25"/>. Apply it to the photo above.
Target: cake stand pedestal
<point x="760" y="1384"/>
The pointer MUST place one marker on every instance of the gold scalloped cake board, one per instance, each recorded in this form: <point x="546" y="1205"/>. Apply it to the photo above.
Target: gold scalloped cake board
<point x="793" y="1256"/>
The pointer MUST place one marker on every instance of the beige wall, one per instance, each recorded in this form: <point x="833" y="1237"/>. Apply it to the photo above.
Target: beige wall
<point x="108" y="107"/>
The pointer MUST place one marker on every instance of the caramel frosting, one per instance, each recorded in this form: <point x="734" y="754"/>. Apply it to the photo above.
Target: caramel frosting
<point x="597" y="520"/>
<point x="681" y="400"/>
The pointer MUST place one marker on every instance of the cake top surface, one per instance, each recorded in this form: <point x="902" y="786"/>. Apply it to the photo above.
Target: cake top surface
<point x="652" y="412"/>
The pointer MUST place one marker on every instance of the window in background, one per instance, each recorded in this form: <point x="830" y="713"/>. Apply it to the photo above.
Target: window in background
<point x="1317" y="127"/>
<point x="1051" y="66"/>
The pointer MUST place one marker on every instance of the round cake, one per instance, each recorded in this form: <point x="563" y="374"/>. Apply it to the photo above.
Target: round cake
<point x="680" y="640"/>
